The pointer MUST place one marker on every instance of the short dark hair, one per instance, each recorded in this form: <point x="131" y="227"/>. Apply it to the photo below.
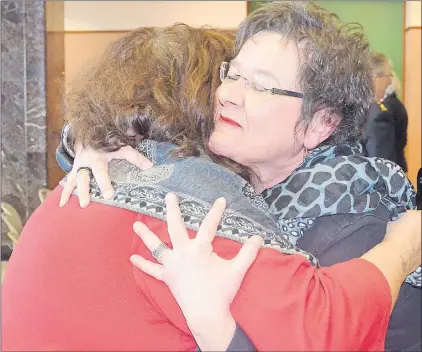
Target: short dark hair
<point x="335" y="72"/>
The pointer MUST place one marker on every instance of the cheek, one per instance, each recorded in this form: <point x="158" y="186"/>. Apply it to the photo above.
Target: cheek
<point x="280" y="118"/>
<point x="274" y="128"/>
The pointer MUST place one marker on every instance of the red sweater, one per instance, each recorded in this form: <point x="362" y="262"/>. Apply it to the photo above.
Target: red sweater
<point x="70" y="286"/>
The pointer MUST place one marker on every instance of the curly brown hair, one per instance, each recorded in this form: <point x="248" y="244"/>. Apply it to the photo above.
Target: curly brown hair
<point x="335" y="72"/>
<point x="156" y="83"/>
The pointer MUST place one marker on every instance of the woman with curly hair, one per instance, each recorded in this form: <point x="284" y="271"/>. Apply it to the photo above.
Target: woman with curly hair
<point x="274" y="127"/>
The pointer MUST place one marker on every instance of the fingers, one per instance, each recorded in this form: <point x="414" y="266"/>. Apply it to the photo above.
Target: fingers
<point x="134" y="157"/>
<point x="100" y="173"/>
<point x="150" y="268"/>
<point x="149" y="238"/>
<point x="82" y="183"/>
<point x="175" y="225"/>
<point x="208" y="228"/>
<point x="246" y="255"/>
<point x="68" y="188"/>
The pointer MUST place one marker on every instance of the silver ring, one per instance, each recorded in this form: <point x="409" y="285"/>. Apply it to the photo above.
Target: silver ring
<point x="158" y="252"/>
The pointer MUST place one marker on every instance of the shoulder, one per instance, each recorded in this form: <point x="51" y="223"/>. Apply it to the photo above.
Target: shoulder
<point x="379" y="113"/>
<point x="340" y="237"/>
<point x="378" y="110"/>
<point x="392" y="102"/>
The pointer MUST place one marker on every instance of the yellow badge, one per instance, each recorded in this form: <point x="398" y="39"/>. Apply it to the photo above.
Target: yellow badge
<point x="382" y="106"/>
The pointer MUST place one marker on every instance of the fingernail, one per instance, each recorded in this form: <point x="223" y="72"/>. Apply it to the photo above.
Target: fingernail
<point x="108" y="194"/>
<point x="137" y="226"/>
<point x="221" y="200"/>
<point x="133" y="259"/>
<point x="170" y="196"/>
<point x="84" y="204"/>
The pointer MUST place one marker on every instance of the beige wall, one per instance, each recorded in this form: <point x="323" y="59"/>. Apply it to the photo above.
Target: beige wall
<point x="412" y="86"/>
<point x="413" y="13"/>
<point x="90" y="26"/>
<point x="82" y="49"/>
<point x="126" y="15"/>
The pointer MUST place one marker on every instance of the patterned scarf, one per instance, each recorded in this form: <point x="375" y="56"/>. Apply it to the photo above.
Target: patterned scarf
<point x="339" y="180"/>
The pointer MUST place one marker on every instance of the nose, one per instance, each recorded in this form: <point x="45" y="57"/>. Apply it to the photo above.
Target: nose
<point x="232" y="93"/>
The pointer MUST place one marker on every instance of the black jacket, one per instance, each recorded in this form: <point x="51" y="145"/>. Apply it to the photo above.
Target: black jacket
<point x="380" y="134"/>
<point x="399" y="113"/>
<point x="385" y="134"/>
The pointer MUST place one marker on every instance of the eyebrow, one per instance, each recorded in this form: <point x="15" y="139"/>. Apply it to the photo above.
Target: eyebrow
<point x="237" y="64"/>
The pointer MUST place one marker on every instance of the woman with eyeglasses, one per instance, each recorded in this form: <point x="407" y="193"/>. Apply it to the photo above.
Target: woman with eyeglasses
<point x="386" y="130"/>
<point x="269" y="127"/>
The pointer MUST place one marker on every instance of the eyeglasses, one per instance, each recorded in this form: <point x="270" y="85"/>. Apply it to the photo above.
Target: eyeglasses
<point x="385" y="75"/>
<point x="229" y="73"/>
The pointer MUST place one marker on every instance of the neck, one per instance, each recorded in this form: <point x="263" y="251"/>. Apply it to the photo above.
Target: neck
<point x="268" y="175"/>
<point x="379" y="97"/>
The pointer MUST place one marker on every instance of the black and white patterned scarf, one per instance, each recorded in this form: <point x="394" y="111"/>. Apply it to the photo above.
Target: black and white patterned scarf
<point x="339" y="180"/>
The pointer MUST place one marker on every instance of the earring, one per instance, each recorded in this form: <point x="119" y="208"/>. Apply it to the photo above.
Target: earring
<point x="305" y="153"/>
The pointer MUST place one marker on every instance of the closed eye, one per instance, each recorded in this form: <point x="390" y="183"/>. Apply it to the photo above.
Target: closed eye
<point x="233" y="77"/>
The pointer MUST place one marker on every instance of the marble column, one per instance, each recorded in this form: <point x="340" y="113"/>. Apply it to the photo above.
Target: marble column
<point x="23" y="108"/>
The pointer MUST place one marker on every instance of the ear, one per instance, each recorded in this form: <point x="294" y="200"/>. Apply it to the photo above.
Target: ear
<point x="323" y="124"/>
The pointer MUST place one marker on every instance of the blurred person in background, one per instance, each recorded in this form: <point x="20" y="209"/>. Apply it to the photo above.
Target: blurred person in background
<point x="394" y="105"/>
<point x="386" y="131"/>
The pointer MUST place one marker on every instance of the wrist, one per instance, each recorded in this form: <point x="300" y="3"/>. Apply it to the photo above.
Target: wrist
<point x="213" y="333"/>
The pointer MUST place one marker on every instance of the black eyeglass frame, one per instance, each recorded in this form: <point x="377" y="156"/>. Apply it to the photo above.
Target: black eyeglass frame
<point x="276" y="91"/>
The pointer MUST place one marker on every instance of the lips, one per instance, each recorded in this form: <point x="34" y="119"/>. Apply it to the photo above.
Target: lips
<point x="228" y="121"/>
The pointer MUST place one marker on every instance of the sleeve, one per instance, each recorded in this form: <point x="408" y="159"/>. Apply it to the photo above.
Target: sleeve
<point x="64" y="156"/>
<point x="380" y="136"/>
<point x="64" y="160"/>
<point x="284" y="304"/>
<point x="240" y="342"/>
<point x="341" y="237"/>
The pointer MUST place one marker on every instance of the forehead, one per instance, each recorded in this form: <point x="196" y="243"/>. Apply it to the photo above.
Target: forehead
<point x="269" y="51"/>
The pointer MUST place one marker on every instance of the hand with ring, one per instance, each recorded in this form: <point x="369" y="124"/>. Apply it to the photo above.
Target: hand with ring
<point x="92" y="163"/>
<point x="203" y="284"/>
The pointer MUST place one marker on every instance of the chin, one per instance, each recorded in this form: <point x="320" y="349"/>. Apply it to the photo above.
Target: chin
<point x="220" y="146"/>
